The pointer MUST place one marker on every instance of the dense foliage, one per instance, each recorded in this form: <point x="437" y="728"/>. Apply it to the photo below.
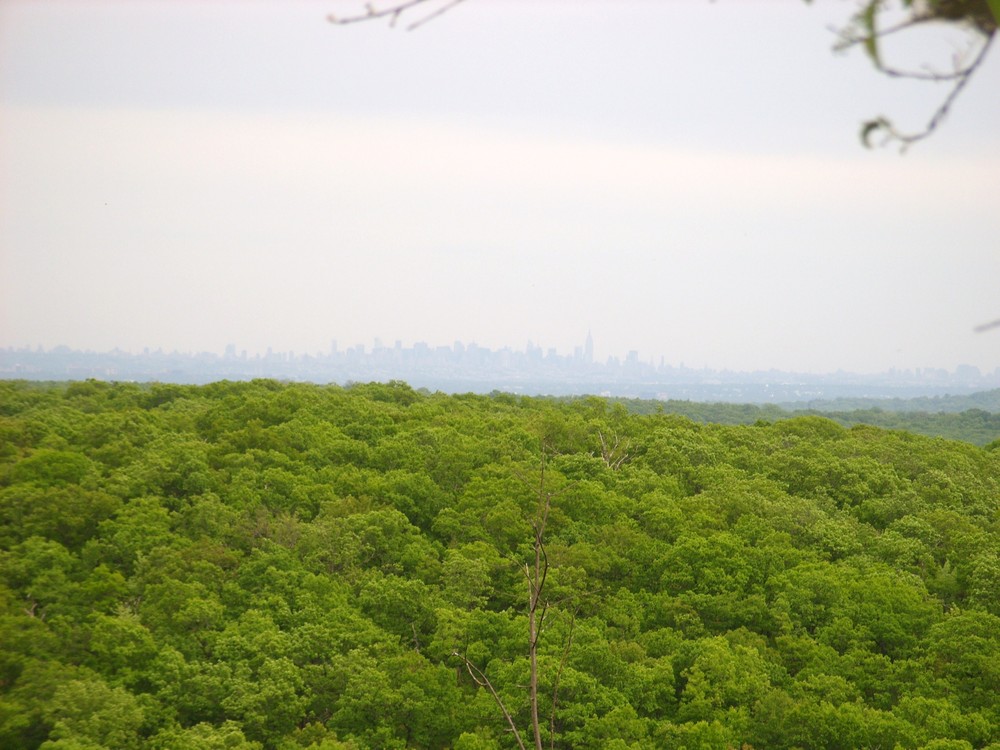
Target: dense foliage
<point x="259" y="565"/>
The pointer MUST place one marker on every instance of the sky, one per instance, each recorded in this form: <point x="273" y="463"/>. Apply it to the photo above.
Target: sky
<point x="683" y="178"/>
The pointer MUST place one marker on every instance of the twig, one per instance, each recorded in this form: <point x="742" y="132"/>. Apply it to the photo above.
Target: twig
<point x="847" y="39"/>
<point x="439" y="12"/>
<point x="555" y="682"/>
<point x="393" y="13"/>
<point x="908" y="139"/>
<point x="483" y="681"/>
<point x="987" y="326"/>
<point x="613" y="457"/>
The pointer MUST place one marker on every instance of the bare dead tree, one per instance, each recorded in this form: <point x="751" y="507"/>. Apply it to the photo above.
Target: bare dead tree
<point x="555" y="682"/>
<point x="536" y="575"/>
<point x="536" y="578"/>
<point x="536" y="572"/>
<point x="483" y="681"/>
<point x="615" y="454"/>
<point x="30" y="611"/>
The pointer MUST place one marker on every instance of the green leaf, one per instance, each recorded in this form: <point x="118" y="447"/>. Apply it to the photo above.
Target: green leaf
<point x="868" y="128"/>
<point x="871" y="38"/>
<point x="994" y="6"/>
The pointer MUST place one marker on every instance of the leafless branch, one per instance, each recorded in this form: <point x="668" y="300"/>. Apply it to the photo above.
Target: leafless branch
<point x="924" y="75"/>
<point x="545" y="567"/>
<point x="393" y="12"/>
<point x="907" y="139"/>
<point x="483" y="681"/>
<point x="541" y="621"/>
<point x="535" y="574"/>
<point x="431" y="16"/>
<point x="615" y="455"/>
<point x="849" y="38"/>
<point x="987" y="326"/>
<point x="555" y="682"/>
<point x="958" y="71"/>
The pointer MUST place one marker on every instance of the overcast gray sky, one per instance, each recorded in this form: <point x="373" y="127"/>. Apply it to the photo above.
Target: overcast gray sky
<point x="683" y="178"/>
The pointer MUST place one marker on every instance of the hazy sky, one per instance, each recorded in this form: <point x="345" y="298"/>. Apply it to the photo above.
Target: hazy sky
<point x="679" y="177"/>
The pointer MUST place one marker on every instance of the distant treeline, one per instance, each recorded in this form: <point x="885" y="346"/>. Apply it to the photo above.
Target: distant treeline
<point x="984" y="400"/>
<point x="973" y="419"/>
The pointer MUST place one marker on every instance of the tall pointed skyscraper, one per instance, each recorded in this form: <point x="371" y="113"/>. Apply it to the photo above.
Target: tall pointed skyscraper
<point x="588" y="349"/>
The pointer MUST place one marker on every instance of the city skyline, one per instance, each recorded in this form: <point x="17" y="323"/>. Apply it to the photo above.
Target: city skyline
<point x="188" y="175"/>
<point x="468" y="366"/>
<point x="583" y="353"/>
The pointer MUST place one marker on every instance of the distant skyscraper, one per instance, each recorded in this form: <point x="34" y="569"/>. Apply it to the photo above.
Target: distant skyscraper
<point x="588" y="349"/>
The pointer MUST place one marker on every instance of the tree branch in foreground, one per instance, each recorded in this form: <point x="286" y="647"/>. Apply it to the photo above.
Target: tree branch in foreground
<point x="961" y="78"/>
<point x="864" y="31"/>
<point x="393" y="12"/>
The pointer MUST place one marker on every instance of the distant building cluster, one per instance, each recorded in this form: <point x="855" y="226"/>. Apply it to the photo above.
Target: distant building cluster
<point x="463" y="368"/>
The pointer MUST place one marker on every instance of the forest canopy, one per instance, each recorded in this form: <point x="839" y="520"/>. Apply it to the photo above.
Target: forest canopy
<point x="273" y="565"/>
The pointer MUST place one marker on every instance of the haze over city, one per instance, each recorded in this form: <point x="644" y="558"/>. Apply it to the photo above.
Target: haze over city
<point x="683" y="179"/>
